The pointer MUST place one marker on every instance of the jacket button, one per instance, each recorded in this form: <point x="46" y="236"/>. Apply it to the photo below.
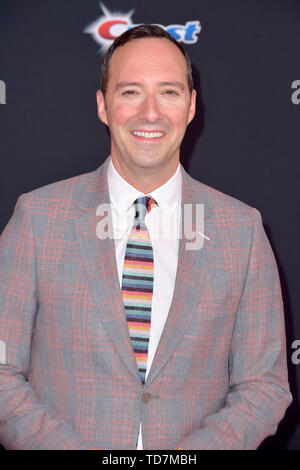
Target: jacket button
<point x="146" y="397"/>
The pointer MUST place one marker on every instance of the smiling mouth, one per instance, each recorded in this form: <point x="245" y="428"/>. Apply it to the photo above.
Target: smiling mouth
<point x="148" y="135"/>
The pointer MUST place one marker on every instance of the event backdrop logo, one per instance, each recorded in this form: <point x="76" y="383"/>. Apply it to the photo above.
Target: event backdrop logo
<point x="110" y="25"/>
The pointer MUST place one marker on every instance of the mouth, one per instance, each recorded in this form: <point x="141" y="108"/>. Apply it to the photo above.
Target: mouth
<point x="147" y="135"/>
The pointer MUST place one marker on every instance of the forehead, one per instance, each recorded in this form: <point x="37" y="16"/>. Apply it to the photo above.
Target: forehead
<point x="148" y="58"/>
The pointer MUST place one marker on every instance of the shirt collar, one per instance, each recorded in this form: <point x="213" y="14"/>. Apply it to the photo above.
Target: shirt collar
<point x="123" y="195"/>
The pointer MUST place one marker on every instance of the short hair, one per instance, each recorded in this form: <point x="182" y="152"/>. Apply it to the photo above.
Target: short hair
<point x="139" y="32"/>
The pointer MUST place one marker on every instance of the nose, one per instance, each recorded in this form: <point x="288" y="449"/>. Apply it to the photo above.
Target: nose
<point x="149" y="109"/>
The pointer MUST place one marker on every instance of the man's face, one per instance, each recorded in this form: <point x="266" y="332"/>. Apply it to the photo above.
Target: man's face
<point x="147" y="105"/>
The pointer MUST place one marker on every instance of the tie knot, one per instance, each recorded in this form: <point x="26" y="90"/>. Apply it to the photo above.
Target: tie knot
<point x="142" y="205"/>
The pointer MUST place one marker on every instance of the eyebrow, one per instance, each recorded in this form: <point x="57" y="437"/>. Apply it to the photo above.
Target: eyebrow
<point x="128" y="84"/>
<point x="175" y="84"/>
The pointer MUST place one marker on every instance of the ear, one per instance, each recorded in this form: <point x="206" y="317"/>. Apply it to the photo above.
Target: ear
<point x="101" y="107"/>
<point x="192" y="109"/>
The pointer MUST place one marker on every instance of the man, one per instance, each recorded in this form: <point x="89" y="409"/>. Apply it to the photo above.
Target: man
<point x="129" y="340"/>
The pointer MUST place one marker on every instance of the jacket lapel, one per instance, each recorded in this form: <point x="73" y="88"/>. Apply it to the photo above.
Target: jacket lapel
<point x="101" y="267"/>
<point x="191" y="272"/>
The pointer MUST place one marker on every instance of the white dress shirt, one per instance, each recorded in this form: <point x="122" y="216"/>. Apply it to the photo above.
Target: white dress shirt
<point x="163" y="223"/>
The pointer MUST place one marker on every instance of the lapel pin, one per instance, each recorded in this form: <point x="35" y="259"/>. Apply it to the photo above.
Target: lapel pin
<point x="204" y="236"/>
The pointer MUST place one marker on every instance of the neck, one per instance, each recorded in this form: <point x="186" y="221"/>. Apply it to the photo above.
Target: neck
<point x="146" y="180"/>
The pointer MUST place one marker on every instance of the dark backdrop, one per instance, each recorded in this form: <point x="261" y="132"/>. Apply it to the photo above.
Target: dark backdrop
<point x="244" y="140"/>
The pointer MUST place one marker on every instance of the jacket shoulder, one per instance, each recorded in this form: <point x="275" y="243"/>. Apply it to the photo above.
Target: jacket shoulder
<point x="227" y="209"/>
<point x="67" y="192"/>
<point x="58" y="187"/>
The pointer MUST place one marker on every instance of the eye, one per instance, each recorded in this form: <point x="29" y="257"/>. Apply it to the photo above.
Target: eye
<point x="171" y="92"/>
<point x="129" y="92"/>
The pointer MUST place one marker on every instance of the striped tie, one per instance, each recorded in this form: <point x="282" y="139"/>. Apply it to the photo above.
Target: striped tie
<point x="137" y="283"/>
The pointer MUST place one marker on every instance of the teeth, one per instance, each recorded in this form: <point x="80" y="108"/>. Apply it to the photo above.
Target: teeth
<point x="148" y="135"/>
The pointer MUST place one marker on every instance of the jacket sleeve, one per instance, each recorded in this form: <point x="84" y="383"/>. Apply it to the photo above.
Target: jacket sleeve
<point x="24" y="422"/>
<point x="258" y="392"/>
